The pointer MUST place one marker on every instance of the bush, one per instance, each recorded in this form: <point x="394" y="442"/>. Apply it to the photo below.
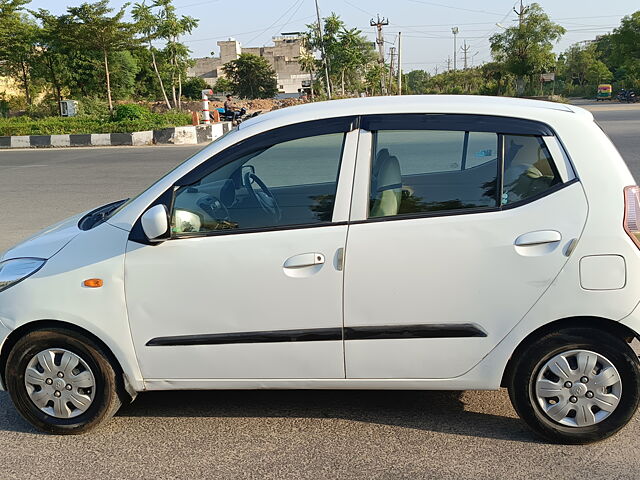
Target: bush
<point x="93" y="107"/>
<point x="89" y="124"/>
<point x="130" y="111"/>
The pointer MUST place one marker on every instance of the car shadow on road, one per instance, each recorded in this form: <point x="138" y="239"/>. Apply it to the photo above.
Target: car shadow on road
<point x="436" y="411"/>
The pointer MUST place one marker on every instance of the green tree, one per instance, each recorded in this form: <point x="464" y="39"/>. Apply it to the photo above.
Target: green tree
<point x="51" y="64"/>
<point x="223" y="85"/>
<point x="17" y="40"/>
<point x="170" y="28"/>
<point x="94" y="29"/>
<point x="620" y="51"/>
<point x="353" y="52"/>
<point x="348" y="52"/>
<point x="192" y="88"/>
<point x="148" y="24"/>
<point x="251" y="77"/>
<point x="17" y="51"/>
<point x="373" y="78"/>
<point x="526" y="49"/>
<point x="580" y="65"/>
<point x="417" y="82"/>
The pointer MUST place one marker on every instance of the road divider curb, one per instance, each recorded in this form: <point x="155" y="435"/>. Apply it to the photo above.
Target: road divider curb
<point x="188" y="135"/>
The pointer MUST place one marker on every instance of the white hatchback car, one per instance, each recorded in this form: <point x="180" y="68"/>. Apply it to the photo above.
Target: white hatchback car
<point x="381" y="243"/>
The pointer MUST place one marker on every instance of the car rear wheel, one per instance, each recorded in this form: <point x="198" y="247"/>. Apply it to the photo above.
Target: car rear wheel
<point x="576" y="385"/>
<point x="62" y="382"/>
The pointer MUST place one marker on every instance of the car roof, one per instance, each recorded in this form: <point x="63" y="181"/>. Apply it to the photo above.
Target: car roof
<point x="461" y="104"/>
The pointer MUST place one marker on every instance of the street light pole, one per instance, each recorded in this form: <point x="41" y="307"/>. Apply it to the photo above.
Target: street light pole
<point x="399" y="63"/>
<point x="455" y="31"/>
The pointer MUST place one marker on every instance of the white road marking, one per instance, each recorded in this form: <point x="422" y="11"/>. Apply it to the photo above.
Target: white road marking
<point x="23" y="166"/>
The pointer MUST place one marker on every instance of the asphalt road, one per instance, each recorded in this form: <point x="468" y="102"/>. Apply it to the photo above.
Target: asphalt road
<point x="277" y="434"/>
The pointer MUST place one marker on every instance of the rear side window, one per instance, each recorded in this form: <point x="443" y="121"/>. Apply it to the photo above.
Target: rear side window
<point x="528" y="168"/>
<point x="422" y="171"/>
<point x="416" y="171"/>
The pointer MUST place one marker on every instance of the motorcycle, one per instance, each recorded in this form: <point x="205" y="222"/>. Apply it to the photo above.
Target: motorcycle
<point x="627" y="96"/>
<point x="236" y="116"/>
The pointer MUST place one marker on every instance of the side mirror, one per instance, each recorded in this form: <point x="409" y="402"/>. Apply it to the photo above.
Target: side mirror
<point x="155" y="223"/>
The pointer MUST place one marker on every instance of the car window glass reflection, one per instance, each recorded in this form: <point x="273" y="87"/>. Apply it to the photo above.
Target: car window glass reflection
<point x="528" y="168"/>
<point x="290" y="183"/>
<point x="415" y="171"/>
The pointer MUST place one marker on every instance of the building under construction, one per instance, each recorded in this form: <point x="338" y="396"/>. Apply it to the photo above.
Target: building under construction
<point x="283" y="57"/>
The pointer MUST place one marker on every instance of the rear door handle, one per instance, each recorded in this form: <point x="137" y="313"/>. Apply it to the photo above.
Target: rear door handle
<point x="539" y="237"/>
<point x="304" y="260"/>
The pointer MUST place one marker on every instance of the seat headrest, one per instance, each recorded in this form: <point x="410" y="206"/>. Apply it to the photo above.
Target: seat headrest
<point x="389" y="176"/>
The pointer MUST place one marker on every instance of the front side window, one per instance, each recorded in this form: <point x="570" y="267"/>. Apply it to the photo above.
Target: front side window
<point x="290" y="183"/>
<point x="416" y="171"/>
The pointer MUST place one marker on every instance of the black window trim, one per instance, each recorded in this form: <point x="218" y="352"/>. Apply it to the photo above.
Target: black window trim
<point x="466" y="125"/>
<point x="455" y="122"/>
<point x="360" y="122"/>
<point x="294" y="131"/>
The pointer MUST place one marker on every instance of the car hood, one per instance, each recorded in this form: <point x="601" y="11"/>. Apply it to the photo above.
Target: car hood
<point x="46" y="243"/>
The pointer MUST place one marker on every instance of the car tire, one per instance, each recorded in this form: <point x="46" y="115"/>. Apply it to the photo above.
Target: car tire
<point x="533" y="385"/>
<point x="91" y="396"/>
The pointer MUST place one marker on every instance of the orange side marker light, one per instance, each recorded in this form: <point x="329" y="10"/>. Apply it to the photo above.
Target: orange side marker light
<point x="93" y="283"/>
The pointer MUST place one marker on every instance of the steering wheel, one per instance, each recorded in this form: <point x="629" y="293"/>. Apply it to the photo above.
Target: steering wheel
<point x="264" y="197"/>
<point x="214" y="208"/>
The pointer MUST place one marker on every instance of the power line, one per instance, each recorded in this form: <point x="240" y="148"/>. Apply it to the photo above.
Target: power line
<point x="275" y="23"/>
<point x="454" y="8"/>
<point x="243" y="33"/>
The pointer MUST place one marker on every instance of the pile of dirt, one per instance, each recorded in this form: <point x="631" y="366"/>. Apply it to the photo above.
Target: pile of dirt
<point x="263" y="105"/>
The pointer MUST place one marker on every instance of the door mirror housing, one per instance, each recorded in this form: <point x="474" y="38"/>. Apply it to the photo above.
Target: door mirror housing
<point x="155" y="223"/>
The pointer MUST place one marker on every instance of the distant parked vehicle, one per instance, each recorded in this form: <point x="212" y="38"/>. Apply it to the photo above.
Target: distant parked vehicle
<point x="627" y="96"/>
<point x="604" y="92"/>
<point x="237" y="116"/>
<point x="415" y="242"/>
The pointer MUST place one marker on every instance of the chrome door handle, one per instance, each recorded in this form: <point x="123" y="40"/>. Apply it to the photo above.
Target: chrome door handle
<point x="304" y="260"/>
<point x="539" y="237"/>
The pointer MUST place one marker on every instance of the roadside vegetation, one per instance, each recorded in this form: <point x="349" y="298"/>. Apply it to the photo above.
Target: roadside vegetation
<point x="105" y="57"/>
<point x="126" y="118"/>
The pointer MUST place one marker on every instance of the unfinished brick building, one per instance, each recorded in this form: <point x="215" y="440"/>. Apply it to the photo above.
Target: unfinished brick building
<point x="283" y="57"/>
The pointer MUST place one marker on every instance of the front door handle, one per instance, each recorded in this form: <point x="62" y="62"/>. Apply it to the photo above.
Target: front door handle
<point x="304" y="260"/>
<point x="539" y="237"/>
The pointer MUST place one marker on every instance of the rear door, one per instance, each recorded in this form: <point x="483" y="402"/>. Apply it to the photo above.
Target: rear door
<point x="458" y="226"/>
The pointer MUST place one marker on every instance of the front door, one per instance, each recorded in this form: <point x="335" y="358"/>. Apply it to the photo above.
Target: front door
<point x="249" y="286"/>
<point x="461" y="233"/>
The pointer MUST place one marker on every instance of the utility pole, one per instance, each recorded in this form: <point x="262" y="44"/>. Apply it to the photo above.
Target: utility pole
<point x="399" y="63"/>
<point x="449" y="63"/>
<point x="392" y="54"/>
<point x="465" y="51"/>
<point x="379" y="23"/>
<point x="436" y="70"/>
<point x="521" y="13"/>
<point x="455" y="31"/>
<point x="324" y="55"/>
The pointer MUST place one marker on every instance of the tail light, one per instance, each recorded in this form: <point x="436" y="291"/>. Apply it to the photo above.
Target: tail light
<point x="632" y="213"/>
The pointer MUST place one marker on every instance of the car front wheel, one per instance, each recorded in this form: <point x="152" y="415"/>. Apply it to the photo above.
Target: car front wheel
<point x="576" y="385"/>
<point x="61" y="382"/>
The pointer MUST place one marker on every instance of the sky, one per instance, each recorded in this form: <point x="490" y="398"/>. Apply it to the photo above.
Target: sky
<point x="427" y="40"/>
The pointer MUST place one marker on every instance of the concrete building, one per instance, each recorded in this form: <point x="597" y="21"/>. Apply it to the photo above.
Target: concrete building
<point x="283" y="57"/>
